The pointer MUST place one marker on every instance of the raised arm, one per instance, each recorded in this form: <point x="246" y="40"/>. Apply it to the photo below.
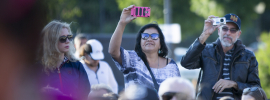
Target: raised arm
<point x="191" y="60"/>
<point x="116" y="39"/>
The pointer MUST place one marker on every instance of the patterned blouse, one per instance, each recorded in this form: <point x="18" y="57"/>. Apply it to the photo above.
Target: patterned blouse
<point x="136" y="72"/>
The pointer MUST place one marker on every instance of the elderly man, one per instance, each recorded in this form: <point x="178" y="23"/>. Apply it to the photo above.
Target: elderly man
<point x="176" y="88"/>
<point x="227" y="66"/>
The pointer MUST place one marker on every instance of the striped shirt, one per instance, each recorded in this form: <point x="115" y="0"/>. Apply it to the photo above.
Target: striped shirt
<point x="226" y="73"/>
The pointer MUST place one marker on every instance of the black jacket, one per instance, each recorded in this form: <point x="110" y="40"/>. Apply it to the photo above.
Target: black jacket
<point x="244" y="67"/>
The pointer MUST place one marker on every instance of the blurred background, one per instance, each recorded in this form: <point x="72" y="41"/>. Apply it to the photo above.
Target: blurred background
<point x="181" y="21"/>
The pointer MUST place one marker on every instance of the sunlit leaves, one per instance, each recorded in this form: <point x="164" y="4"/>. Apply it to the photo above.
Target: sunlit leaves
<point x="263" y="57"/>
<point x="207" y="7"/>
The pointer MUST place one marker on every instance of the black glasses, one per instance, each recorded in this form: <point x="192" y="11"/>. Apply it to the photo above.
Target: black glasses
<point x="169" y="95"/>
<point x="252" y="89"/>
<point x="232" y="30"/>
<point x="153" y="36"/>
<point x="63" y="39"/>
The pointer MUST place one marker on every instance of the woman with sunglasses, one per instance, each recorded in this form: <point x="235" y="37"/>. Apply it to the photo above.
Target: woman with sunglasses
<point x="60" y="69"/>
<point x="147" y="64"/>
<point x="254" y="93"/>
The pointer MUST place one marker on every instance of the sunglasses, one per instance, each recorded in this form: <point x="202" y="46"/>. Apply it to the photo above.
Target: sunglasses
<point x="153" y="36"/>
<point x="232" y="30"/>
<point x="252" y="89"/>
<point x="63" y="39"/>
<point x="169" y="95"/>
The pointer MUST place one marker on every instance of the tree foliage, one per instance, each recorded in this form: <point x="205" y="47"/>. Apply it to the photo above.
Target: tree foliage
<point x="102" y="16"/>
<point x="262" y="56"/>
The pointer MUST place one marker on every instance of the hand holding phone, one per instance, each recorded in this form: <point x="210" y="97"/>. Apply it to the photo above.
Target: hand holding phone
<point x="140" y="11"/>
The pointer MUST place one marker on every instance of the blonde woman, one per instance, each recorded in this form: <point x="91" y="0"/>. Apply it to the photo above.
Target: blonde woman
<point x="60" y="69"/>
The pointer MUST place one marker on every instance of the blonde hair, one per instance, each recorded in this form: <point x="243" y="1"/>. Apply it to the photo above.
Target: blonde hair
<point x="51" y="53"/>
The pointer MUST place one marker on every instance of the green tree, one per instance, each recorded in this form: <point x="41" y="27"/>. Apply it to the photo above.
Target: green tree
<point x="262" y="56"/>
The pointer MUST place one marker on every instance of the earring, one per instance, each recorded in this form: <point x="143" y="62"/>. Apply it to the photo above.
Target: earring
<point x="159" y="51"/>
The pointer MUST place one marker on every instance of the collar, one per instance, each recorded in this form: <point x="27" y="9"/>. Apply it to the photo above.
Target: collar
<point x="65" y="59"/>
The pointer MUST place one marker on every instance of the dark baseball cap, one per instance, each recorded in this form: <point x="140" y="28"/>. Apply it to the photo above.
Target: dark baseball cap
<point x="233" y="18"/>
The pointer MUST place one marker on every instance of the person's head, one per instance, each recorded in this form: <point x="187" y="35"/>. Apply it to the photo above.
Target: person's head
<point x="79" y="40"/>
<point x="254" y="93"/>
<point x="151" y="39"/>
<point x="98" y="90"/>
<point x="229" y="33"/>
<point x="57" y="38"/>
<point x="176" y="88"/>
<point x="138" y="92"/>
<point x="91" y="52"/>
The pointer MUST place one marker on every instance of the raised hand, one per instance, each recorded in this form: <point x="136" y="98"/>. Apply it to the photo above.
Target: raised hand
<point x="208" y="29"/>
<point x="125" y="16"/>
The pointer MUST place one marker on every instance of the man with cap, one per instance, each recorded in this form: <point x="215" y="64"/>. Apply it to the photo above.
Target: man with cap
<point x="99" y="72"/>
<point x="227" y="67"/>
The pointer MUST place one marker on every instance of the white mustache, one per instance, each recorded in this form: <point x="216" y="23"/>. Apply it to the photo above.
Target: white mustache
<point x="226" y="36"/>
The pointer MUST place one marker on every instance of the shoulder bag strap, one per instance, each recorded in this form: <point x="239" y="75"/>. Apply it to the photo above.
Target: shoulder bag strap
<point x="198" y="82"/>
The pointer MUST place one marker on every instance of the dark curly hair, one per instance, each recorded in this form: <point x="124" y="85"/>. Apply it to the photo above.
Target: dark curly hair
<point x="138" y="48"/>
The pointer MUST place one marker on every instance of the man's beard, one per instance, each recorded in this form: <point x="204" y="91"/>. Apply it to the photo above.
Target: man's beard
<point x="226" y="43"/>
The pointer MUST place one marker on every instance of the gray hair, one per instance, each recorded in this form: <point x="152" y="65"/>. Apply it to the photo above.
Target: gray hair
<point x="97" y="87"/>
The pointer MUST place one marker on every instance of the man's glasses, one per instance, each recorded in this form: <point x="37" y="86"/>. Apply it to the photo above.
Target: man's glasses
<point x="252" y="89"/>
<point x="153" y="36"/>
<point x="225" y="29"/>
<point x="63" y="39"/>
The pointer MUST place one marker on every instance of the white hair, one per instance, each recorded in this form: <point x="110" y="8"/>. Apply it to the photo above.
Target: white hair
<point x="177" y="84"/>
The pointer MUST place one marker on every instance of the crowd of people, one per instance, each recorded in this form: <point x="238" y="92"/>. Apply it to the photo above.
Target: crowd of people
<point x="74" y="70"/>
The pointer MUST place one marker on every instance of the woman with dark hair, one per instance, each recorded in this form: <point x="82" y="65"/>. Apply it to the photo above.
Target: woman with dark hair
<point x="147" y="64"/>
<point x="254" y="93"/>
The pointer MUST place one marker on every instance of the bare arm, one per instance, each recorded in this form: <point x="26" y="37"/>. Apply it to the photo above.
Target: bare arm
<point x="116" y="39"/>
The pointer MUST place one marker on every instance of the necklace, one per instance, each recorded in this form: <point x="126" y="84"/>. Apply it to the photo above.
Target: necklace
<point x="158" y="66"/>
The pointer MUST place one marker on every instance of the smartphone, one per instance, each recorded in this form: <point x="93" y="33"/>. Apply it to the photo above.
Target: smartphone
<point x="140" y="11"/>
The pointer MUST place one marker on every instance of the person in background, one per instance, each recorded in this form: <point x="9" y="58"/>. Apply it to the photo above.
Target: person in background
<point x="79" y="40"/>
<point x="254" y="93"/>
<point x="176" y="88"/>
<point x="99" y="72"/>
<point x="227" y="67"/>
<point x="60" y="69"/>
<point x="147" y="64"/>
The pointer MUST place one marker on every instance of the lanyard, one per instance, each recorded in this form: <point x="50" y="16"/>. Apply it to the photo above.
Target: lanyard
<point x="59" y="73"/>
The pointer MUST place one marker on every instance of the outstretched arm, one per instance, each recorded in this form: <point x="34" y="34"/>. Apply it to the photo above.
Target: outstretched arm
<point x="116" y="39"/>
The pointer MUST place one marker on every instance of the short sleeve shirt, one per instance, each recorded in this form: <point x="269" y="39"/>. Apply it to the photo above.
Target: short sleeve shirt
<point x="136" y="72"/>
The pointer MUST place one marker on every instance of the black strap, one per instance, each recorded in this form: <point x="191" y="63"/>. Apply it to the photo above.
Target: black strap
<point x="167" y="62"/>
<point x="153" y="77"/>
<point x="199" y="79"/>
